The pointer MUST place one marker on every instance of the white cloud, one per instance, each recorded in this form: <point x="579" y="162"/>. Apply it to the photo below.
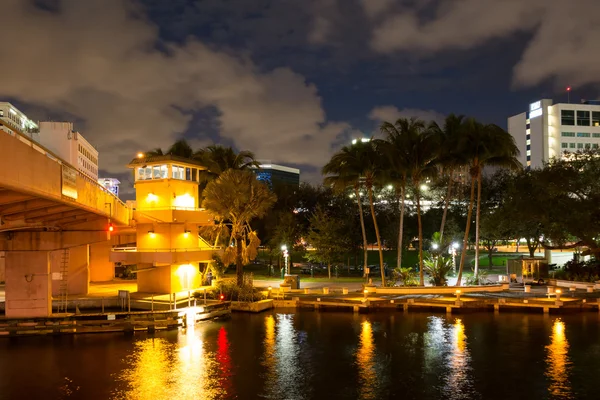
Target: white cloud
<point x="374" y="8"/>
<point x="392" y="113"/>
<point x="96" y="61"/>
<point x="565" y="35"/>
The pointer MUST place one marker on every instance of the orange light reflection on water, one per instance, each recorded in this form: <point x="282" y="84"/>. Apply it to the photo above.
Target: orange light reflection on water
<point x="159" y="369"/>
<point x="365" y="359"/>
<point x="558" y="363"/>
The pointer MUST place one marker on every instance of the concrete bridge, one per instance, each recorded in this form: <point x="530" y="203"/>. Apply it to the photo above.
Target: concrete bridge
<point x="54" y="224"/>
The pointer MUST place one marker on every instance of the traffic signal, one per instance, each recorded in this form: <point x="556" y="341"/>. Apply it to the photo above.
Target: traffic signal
<point x="111" y="227"/>
<point x="222" y="297"/>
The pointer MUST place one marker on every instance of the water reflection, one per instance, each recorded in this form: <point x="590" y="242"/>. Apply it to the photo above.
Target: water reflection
<point x="458" y="381"/>
<point x="558" y="362"/>
<point x="365" y="358"/>
<point x="284" y="375"/>
<point x="158" y="369"/>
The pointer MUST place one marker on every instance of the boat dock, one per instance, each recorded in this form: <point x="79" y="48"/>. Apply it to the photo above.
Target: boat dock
<point x="122" y="321"/>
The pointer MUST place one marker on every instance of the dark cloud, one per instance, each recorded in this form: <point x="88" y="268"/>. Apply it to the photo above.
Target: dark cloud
<point x="105" y="63"/>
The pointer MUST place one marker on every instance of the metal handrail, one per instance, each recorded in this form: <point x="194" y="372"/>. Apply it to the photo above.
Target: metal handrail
<point x="170" y="250"/>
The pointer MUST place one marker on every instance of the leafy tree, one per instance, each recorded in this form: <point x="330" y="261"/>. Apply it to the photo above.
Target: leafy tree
<point x="326" y="236"/>
<point x="234" y="199"/>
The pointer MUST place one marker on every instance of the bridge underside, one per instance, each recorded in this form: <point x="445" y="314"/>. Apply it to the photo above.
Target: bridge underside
<point x="19" y="211"/>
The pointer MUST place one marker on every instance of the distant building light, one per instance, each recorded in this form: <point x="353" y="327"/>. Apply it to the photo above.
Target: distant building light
<point x="365" y="140"/>
<point x="535" y="106"/>
<point x="535" y="113"/>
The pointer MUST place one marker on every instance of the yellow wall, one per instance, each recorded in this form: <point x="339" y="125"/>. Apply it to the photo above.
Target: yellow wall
<point x="101" y="268"/>
<point x="168" y="279"/>
<point x="78" y="275"/>
<point x="166" y="193"/>
<point x="28" y="284"/>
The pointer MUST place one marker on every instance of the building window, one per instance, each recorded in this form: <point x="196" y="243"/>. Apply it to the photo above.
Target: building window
<point x="567" y="117"/>
<point x="177" y="172"/>
<point x="583" y="118"/>
<point x="564" y="145"/>
<point x="583" y="134"/>
<point x="571" y="145"/>
<point x="567" y="134"/>
<point x="594" y="145"/>
<point x="528" y="147"/>
<point x="588" y="146"/>
<point x="595" y="118"/>
<point x="580" y="145"/>
<point x="596" y="135"/>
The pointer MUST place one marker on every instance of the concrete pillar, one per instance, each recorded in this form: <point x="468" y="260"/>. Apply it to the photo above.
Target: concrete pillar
<point x="28" y="287"/>
<point x="79" y="273"/>
<point x="101" y="268"/>
<point x="449" y="310"/>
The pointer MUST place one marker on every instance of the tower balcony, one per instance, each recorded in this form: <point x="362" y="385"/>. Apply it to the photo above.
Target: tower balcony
<point x="133" y="255"/>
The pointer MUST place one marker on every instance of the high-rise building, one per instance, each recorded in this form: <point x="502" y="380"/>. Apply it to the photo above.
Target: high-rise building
<point x="11" y="120"/>
<point x="71" y="146"/>
<point x="110" y="184"/>
<point x="273" y="174"/>
<point x="546" y="130"/>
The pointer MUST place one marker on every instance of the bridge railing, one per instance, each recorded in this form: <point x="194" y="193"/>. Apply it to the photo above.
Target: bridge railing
<point x="118" y="209"/>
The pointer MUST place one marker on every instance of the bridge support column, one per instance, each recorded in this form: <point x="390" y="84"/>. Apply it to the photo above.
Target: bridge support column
<point x="79" y="272"/>
<point x="101" y="268"/>
<point x="28" y="284"/>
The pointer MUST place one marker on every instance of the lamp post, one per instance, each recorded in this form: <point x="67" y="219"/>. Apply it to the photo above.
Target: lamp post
<point x="285" y="259"/>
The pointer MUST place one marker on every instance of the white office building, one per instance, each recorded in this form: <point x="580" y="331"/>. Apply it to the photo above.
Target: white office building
<point x="12" y="120"/>
<point x="548" y="130"/>
<point x="71" y="146"/>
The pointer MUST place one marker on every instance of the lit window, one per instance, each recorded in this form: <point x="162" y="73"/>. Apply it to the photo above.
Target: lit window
<point x="595" y="118"/>
<point x="528" y="142"/>
<point x="583" y="134"/>
<point x="528" y="152"/>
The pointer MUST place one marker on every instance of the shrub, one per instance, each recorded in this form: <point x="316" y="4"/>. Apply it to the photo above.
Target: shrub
<point x="232" y="292"/>
<point x="481" y="279"/>
<point x="406" y="277"/>
<point x="437" y="267"/>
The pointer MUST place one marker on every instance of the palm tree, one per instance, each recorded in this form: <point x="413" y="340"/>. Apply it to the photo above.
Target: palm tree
<point x="344" y="170"/>
<point x="181" y="148"/>
<point x="218" y="159"/>
<point x="156" y="152"/>
<point x="419" y="148"/>
<point x="238" y="197"/>
<point x="483" y="145"/>
<point x="393" y="147"/>
<point x="449" y="159"/>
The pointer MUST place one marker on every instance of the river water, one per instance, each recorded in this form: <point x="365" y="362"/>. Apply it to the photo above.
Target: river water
<point x="312" y="355"/>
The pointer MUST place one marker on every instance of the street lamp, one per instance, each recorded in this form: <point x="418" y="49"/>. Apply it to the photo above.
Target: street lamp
<point x="285" y="258"/>
<point x="435" y="246"/>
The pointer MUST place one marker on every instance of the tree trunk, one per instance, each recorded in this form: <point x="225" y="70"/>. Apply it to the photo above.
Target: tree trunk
<point x="463" y="254"/>
<point x="531" y="247"/>
<point x="401" y="226"/>
<point x="477" y="213"/>
<point x="445" y="213"/>
<point x="370" y="190"/>
<point x="362" y="227"/>
<point x="418" y="199"/>
<point x="239" y="267"/>
<point x="329" y="270"/>
<point x="491" y="257"/>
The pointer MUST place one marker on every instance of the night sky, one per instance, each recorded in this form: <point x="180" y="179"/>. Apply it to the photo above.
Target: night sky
<point x="291" y="80"/>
